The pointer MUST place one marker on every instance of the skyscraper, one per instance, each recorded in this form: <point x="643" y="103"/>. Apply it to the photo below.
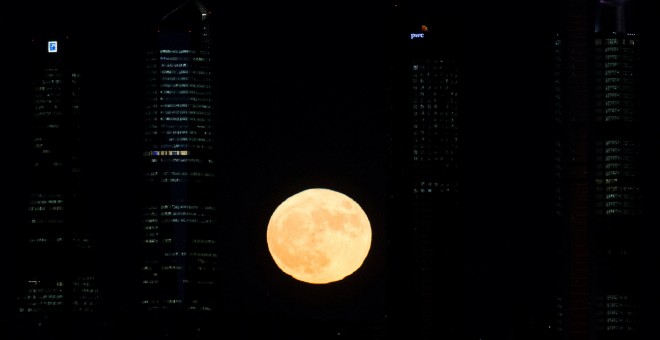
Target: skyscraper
<point x="178" y="271"/>
<point x="597" y="164"/>
<point x="57" y="292"/>
<point x="424" y="234"/>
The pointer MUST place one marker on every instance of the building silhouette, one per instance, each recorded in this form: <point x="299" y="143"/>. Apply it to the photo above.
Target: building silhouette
<point x="179" y="223"/>
<point x="424" y="232"/>
<point x="597" y="169"/>
<point x="56" y="290"/>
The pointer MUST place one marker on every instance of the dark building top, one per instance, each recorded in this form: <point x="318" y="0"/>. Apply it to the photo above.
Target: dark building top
<point x="186" y="17"/>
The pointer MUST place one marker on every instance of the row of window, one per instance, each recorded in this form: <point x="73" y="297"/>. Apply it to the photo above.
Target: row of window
<point x="165" y="57"/>
<point x="179" y="119"/>
<point x="177" y="68"/>
<point x="615" y="60"/>
<point x="184" y="85"/>
<point x="617" y="142"/>
<point x="169" y="240"/>
<point x="615" y="88"/>
<point x="616" y="173"/>
<point x="185" y="146"/>
<point x="434" y="77"/>
<point x="615" y="95"/>
<point x="609" y="181"/>
<point x="185" y="113"/>
<point x="434" y="135"/>
<point x="449" y="162"/>
<point x="169" y="213"/>
<point x="616" y="204"/>
<point x="430" y="86"/>
<point x="178" y="160"/>
<point x="616" y="112"/>
<point x="180" y="106"/>
<point x="611" y="328"/>
<point x="626" y="119"/>
<point x="46" y="196"/>
<point x="185" y="79"/>
<point x="618" y="320"/>
<point x="615" y="72"/>
<point x="52" y="73"/>
<point x="180" y="92"/>
<point x="46" y="208"/>
<point x="190" y="139"/>
<point x="616" y="188"/>
<point x="155" y="211"/>
<point x="197" y="98"/>
<point x="44" y="240"/>
<point x="615" y="41"/>
<point x="617" y="305"/>
<point x="615" y="103"/>
<point x="619" y="313"/>
<point x="616" y="158"/>
<point x="153" y="116"/>
<point x="40" y="113"/>
<point x="200" y="213"/>
<point x="198" y="241"/>
<point x="176" y="72"/>
<point x="51" y="81"/>
<point x="168" y="51"/>
<point x="617" y="212"/>
<point x="174" y="128"/>
<point x="49" y="99"/>
<point x="178" y="253"/>
<point x="617" y="196"/>
<point x="44" y="297"/>
<point x="184" y="220"/>
<point x="436" y="65"/>
<point x="167" y="153"/>
<point x="46" y="221"/>
<point x="615" y="80"/>
<point x="421" y="142"/>
<point x="194" y="241"/>
<point x="48" y="201"/>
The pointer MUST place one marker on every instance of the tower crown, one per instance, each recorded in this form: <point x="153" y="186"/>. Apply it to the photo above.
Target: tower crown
<point x="180" y="18"/>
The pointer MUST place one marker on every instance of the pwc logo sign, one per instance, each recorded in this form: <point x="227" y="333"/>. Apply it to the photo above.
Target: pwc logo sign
<point x="420" y="35"/>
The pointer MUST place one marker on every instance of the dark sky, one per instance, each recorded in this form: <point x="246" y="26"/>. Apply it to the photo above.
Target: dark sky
<point x="301" y="103"/>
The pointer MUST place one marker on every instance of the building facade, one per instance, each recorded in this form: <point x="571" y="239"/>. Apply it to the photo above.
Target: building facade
<point x="57" y="290"/>
<point x="424" y="234"/>
<point x="597" y="169"/>
<point x="178" y="270"/>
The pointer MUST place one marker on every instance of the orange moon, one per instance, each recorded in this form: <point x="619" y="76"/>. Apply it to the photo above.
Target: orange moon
<point x="319" y="236"/>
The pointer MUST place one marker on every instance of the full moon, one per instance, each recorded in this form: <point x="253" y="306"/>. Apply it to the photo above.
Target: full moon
<point x="319" y="236"/>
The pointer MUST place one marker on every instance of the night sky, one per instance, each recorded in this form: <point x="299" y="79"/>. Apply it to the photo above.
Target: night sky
<point x="301" y="103"/>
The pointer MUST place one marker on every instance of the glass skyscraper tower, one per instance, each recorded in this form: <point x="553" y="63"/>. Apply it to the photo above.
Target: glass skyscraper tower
<point x="597" y="167"/>
<point x="179" y="229"/>
<point x="56" y="285"/>
<point x="424" y="249"/>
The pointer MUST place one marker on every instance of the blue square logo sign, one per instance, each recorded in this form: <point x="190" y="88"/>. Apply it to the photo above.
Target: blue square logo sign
<point x="52" y="47"/>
